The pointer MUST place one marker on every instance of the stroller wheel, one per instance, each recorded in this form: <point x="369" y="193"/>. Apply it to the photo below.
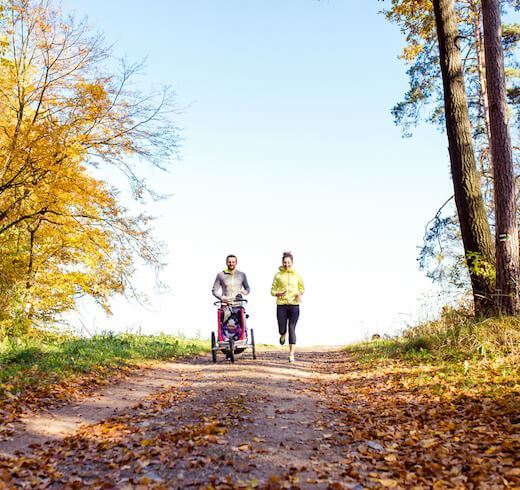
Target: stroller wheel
<point x="213" y="347"/>
<point x="253" y="343"/>
<point x="232" y="350"/>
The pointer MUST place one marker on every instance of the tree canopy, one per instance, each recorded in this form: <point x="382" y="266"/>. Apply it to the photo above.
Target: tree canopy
<point x="442" y="255"/>
<point x="65" y="114"/>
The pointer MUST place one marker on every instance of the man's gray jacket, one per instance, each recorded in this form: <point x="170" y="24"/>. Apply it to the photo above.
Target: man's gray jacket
<point x="230" y="283"/>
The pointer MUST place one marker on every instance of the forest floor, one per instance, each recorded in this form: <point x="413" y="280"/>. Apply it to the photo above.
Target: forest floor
<point x="330" y="420"/>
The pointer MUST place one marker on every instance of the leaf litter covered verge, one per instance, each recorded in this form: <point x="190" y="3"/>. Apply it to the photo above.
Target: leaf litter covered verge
<point x="50" y="370"/>
<point x="426" y="424"/>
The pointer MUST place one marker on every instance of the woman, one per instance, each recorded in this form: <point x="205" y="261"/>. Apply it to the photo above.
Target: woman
<point x="288" y="289"/>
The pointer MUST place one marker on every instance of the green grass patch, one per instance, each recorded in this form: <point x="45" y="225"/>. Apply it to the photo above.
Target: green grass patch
<point x="49" y="358"/>
<point x="454" y="351"/>
<point x="455" y="336"/>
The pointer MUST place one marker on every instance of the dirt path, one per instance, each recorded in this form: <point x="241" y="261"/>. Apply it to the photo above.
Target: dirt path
<point x="252" y="423"/>
<point x="57" y="423"/>
<point x="328" y="421"/>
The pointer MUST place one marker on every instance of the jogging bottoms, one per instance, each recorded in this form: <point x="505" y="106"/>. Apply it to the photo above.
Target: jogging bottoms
<point x="288" y="315"/>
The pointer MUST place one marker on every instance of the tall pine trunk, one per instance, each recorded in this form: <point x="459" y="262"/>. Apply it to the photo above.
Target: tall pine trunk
<point x="481" y="66"/>
<point x="506" y="233"/>
<point x="476" y="234"/>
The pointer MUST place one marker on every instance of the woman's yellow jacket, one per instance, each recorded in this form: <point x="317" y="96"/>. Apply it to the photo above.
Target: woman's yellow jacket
<point x="290" y="282"/>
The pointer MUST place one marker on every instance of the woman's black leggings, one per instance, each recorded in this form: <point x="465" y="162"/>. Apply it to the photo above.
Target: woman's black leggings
<point x="288" y="314"/>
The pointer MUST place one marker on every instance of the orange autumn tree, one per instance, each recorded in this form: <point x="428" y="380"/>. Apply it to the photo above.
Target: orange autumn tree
<point x="65" y="116"/>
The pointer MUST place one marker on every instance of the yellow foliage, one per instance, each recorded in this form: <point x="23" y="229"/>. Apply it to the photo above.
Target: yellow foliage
<point x="63" y="233"/>
<point x="412" y="51"/>
<point x="417" y="23"/>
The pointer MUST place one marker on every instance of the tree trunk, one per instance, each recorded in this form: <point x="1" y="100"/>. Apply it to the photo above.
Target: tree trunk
<point x="485" y="153"/>
<point x="481" y="67"/>
<point x="506" y="233"/>
<point x="476" y="234"/>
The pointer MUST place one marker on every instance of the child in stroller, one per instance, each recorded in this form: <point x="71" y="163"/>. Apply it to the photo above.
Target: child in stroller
<point x="232" y="328"/>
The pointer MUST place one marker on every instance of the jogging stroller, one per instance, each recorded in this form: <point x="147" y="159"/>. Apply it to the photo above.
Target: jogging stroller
<point x="232" y="336"/>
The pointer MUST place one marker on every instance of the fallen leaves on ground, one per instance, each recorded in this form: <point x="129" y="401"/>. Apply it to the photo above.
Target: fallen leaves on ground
<point x="156" y="444"/>
<point x="125" y="450"/>
<point x="424" y="426"/>
<point x="350" y="426"/>
<point x="50" y="395"/>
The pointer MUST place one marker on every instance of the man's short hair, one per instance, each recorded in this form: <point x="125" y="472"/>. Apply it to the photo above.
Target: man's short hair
<point x="231" y="256"/>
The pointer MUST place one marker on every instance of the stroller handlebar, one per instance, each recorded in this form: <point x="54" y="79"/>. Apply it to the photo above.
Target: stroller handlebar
<point x="232" y="302"/>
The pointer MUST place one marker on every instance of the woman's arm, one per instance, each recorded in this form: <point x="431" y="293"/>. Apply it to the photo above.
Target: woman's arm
<point x="276" y="289"/>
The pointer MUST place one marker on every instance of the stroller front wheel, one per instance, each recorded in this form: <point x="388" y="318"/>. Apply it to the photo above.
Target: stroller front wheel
<point x="253" y="347"/>
<point x="232" y="350"/>
<point x="213" y="347"/>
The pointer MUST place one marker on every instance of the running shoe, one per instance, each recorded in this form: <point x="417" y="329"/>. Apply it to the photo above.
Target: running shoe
<point x="282" y="339"/>
<point x="291" y="358"/>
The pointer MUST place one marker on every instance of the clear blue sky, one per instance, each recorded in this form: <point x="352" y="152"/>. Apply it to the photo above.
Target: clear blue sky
<point x="288" y="144"/>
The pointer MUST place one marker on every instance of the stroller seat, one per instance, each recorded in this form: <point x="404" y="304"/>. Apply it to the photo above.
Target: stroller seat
<point x="232" y="324"/>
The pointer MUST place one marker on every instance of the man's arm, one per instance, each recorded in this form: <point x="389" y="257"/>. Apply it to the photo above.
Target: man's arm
<point x="245" y="285"/>
<point x="217" y="288"/>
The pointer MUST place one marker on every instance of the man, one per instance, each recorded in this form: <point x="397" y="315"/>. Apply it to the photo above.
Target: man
<point x="231" y="282"/>
<point x="230" y="285"/>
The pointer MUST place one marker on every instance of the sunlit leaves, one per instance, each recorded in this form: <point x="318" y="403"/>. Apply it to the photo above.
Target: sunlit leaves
<point x="425" y="424"/>
<point x="417" y="23"/>
<point x="63" y="231"/>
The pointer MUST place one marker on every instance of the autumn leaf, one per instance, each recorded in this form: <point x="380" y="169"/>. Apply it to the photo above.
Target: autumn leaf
<point x="427" y="443"/>
<point x="387" y="483"/>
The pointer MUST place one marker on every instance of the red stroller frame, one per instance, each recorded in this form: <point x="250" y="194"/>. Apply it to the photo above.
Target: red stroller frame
<point x="226" y="340"/>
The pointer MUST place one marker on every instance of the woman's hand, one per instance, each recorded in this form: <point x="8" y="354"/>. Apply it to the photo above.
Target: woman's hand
<point x="281" y="293"/>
